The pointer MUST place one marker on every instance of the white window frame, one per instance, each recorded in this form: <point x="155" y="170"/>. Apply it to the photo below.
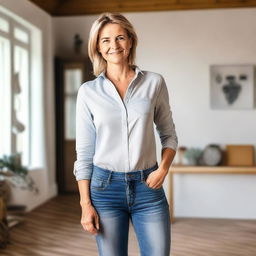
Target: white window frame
<point x="15" y="42"/>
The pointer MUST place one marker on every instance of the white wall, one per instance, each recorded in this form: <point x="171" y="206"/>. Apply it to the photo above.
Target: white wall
<point x="44" y="175"/>
<point x="181" y="45"/>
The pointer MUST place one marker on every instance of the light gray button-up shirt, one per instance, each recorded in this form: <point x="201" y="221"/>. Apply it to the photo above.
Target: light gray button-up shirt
<point x="118" y="134"/>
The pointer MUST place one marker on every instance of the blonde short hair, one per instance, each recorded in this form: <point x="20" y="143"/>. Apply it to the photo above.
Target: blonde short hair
<point x="98" y="62"/>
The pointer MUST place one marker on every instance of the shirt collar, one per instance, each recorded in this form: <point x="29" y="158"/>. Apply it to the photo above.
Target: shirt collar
<point x="137" y="70"/>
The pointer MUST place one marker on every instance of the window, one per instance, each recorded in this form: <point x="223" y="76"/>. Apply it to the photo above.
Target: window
<point x="15" y="89"/>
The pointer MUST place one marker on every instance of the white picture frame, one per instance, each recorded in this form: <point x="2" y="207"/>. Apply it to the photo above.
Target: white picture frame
<point x="232" y="86"/>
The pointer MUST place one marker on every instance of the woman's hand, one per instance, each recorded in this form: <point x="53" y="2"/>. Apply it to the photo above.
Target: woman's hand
<point x="90" y="219"/>
<point x="156" y="178"/>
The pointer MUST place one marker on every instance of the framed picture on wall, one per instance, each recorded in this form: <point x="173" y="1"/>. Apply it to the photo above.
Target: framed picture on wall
<point x="232" y="86"/>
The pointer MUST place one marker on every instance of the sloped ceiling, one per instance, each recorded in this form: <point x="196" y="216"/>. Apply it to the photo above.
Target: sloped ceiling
<point x="83" y="7"/>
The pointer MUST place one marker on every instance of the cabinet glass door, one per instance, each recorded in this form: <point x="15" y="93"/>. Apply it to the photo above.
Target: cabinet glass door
<point x="73" y="78"/>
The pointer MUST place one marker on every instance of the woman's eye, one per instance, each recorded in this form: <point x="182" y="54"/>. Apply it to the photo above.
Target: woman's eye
<point x="118" y="38"/>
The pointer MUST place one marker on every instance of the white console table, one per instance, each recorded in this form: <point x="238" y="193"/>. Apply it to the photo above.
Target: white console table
<point x="175" y="169"/>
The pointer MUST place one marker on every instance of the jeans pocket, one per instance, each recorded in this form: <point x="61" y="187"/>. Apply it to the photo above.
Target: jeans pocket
<point x="153" y="189"/>
<point x="98" y="184"/>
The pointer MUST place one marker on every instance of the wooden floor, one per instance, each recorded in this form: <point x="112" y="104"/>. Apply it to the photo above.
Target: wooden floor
<point x="54" y="229"/>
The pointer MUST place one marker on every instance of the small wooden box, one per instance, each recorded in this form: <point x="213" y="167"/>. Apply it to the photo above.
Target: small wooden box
<point x="240" y="155"/>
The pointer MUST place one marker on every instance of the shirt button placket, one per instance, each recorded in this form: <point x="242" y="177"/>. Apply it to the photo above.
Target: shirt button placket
<point x="125" y="126"/>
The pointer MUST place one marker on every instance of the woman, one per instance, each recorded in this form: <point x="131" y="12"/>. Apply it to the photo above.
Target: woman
<point x="118" y="176"/>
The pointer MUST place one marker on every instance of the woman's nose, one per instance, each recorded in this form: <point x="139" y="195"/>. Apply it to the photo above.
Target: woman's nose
<point x="114" y="44"/>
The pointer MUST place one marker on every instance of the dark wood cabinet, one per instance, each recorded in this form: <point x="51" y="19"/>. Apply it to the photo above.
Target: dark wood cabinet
<point x="69" y="75"/>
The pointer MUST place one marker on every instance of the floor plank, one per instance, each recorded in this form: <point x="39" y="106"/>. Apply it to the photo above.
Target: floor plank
<point x="54" y="229"/>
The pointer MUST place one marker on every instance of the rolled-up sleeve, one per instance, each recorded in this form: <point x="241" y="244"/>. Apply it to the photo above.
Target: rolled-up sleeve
<point x="163" y="118"/>
<point x="85" y="138"/>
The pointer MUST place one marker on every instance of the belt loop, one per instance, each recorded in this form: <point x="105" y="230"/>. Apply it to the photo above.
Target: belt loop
<point x="109" y="176"/>
<point x="141" y="175"/>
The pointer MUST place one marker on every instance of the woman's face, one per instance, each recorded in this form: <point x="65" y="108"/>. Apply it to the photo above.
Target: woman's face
<point x="114" y="44"/>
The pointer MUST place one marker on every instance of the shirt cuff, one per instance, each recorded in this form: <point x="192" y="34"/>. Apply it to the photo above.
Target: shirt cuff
<point x="84" y="173"/>
<point x="172" y="145"/>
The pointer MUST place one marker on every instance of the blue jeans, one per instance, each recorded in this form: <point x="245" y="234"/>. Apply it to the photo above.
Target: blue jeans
<point x="119" y="197"/>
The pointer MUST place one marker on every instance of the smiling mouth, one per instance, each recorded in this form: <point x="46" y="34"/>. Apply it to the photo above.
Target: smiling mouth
<point x="115" y="52"/>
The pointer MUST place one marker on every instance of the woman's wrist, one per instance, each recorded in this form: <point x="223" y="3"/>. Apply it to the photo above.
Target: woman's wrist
<point x="86" y="203"/>
<point x="163" y="169"/>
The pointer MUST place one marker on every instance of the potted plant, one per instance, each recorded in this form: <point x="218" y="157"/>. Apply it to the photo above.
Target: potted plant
<point x="15" y="174"/>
